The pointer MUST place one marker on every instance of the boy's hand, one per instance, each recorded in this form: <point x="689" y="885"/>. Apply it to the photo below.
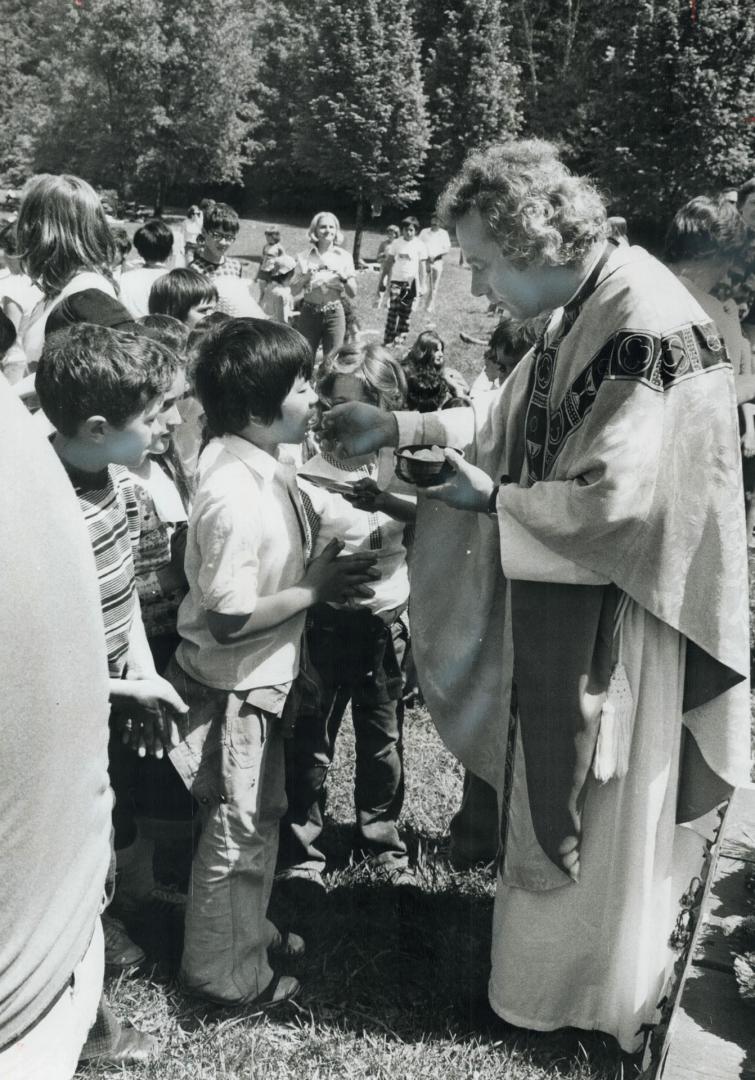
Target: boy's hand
<point x="149" y="706"/>
<point x="338" y="579"/>
<point x="356" y="428"/>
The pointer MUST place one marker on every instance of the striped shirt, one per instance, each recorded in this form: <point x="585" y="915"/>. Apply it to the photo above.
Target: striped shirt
<point x="111" y="513"/>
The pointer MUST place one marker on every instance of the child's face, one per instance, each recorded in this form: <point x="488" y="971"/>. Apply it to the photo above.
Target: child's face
<point x="170" y="417"/>
<point x="297" y="415"/>
<point x="216" y="244"/>
<point x="197" y="313"/>
<point x="408" y="231"/>
<point x="346" y="388"/>
<point x="129" y="445"/>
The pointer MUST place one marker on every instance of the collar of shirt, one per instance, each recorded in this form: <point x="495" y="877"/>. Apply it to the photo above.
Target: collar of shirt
<point x="258" y="461"/>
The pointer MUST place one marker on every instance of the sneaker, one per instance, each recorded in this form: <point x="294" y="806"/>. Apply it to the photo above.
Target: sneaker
<point x="120" y="951"/>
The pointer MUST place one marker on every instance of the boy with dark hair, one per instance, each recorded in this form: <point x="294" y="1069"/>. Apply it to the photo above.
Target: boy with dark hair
<point x="250" y="584"/>
<point x="154" y="242"/>
<point x="221" y="227"/>
<point x="103" y="392"/>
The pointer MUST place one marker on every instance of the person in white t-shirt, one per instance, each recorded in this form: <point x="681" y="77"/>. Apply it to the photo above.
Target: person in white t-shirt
<point x="437" y="243"/>
<point x="404" y="270"/>
<point x="154" y="242"/>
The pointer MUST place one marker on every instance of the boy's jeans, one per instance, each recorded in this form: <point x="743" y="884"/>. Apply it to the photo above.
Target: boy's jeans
<point x="354" y="657"/>
<point x="231" y="758"/>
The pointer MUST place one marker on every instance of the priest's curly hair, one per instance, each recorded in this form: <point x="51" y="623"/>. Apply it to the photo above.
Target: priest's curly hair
<point x="535" y="208"/>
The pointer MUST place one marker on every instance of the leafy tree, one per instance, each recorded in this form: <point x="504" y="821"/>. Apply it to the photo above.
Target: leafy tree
<point x="151" y="92"/>
<point x="283" y="37"/>
<point x="667" y="116"/>
<point x="471" y="84"/>
<point x="29" y="32"/>
<point x="362" y="122"/>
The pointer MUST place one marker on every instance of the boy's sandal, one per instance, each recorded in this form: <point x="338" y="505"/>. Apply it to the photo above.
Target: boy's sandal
<point x="280" y="989"/>
<point x="287" y="945"/>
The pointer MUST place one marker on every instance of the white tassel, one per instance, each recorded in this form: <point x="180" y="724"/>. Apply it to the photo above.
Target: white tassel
<point x="614" y="743"/>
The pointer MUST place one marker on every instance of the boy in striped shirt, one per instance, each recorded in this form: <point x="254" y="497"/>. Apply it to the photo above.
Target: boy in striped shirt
<point x="103" y="391"/>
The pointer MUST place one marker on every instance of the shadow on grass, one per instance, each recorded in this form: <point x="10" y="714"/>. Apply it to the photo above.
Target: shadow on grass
<point x="406" y="964"/>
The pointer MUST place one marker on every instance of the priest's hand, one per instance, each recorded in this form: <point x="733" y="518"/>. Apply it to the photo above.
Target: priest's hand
<point x="356" y="428"/>
<point x="468" y="488"/>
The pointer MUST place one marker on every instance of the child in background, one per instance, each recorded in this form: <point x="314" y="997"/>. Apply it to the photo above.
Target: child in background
<point x="122" y="242"/>
<point x="221" y="227"/>
<point x="391" y="233"/>
<point x="154" y="242"/>
<point x="18" y="293"/>
<point x="272" y="250"/>
<point x="355" y="649"/>
<point x="185" y="294"/>
<point x="430" y="384"/>
<point x="103" y="392"/>
<point x="277" y="301"/>
<point x="250" y="583"/>
<point x="191" y="229"/>
<point x="510" y="341"/>
<point x="405" y="273"/>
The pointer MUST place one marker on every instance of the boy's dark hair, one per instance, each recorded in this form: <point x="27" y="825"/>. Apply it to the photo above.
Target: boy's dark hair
<point x="121" y="240"/>
<point x="704" y="228"/>
<point x="91" y="370"/>
<point x="410" y="221"/>
<point x="167" y="330"/>
<point x="7" y="333"/>
<point x="516" y="337"/>
<point x="8" y="241"/>
<point x="220" y="217"/>
<point x="746" y="189"/>
<point x="245" y="368"/>
<point x="178" y="291"/>
<point x="154" y="241"/>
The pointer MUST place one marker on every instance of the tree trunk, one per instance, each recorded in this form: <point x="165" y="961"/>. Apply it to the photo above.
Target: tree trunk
<point x="160" y="195"/>
<point x="358" y="229"/>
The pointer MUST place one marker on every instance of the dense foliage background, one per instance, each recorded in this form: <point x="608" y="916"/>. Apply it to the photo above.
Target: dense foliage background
<point x="371" y="104"/>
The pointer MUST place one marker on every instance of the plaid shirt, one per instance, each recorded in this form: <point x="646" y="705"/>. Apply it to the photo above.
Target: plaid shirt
<point x="229" y="267"/>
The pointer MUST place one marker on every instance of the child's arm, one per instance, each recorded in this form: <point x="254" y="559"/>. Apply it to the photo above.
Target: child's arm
<point x="385" y="272"/>
<point x="327" y="577"/>
<point x="145" y="700"/>
<point x="369" y="497"/>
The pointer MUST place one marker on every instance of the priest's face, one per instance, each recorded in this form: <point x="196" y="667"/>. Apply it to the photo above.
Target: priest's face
<point x="521" y="291"/>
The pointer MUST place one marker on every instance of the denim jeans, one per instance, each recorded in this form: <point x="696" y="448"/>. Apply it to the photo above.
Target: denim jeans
<point x="322" y="326"/>
<point x="355" y="657"/>
<point x="240" y="788"/>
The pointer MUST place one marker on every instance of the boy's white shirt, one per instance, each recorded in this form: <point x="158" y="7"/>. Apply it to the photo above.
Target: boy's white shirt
<point x="245" y="540"/>
<point x="362" y="531"/>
